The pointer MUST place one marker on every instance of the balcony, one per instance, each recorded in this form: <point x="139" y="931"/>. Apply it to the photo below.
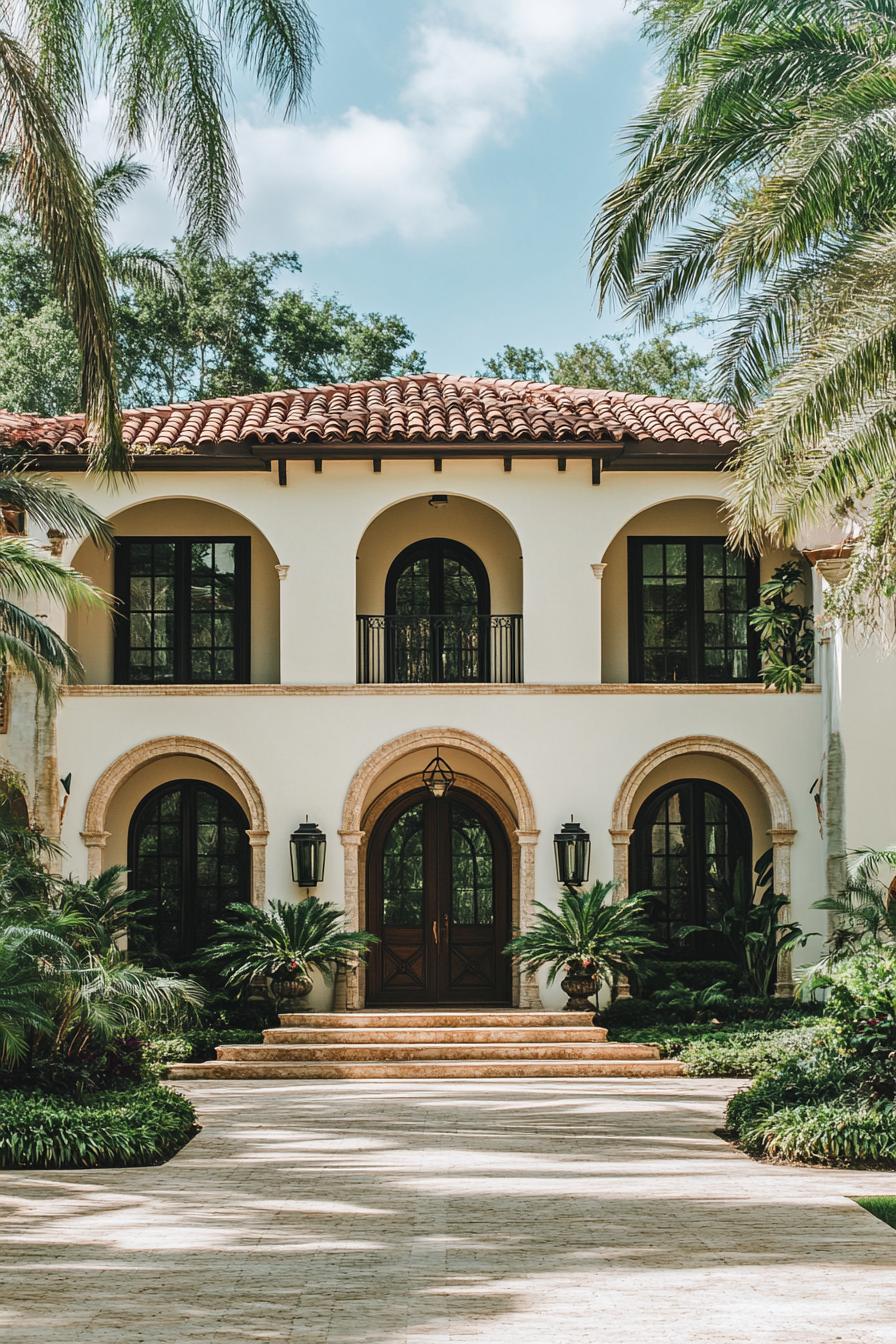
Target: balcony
<point x="438" y="649"/>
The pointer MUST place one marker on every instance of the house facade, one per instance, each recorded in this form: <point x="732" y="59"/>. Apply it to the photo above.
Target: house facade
<point x="320" y="592"/>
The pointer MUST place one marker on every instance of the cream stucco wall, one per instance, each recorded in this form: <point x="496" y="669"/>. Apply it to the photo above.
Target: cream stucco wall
<point x="91" y="632"/>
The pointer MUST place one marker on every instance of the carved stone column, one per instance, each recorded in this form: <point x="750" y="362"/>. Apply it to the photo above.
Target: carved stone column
<point x="598" y="572"/>
<point x="258" y="844"/>
<point x="621" y="841"/>
<point x="782" y="842"/>
<point x="96" y="845"/>
<point x="529" y="995"/>
<point x="348" y="991"/>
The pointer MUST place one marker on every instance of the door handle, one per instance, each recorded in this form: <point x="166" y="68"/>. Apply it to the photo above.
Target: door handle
<point x="435" y="931"/>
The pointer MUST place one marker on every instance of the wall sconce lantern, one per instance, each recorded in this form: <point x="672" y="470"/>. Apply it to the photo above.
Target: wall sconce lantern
<point x="438" y="776"/>
<point x="308" y="854"/>
<point x="572" y="854"/>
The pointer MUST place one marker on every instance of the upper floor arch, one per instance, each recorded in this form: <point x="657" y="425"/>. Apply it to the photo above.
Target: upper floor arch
<point x="439" y="593"/>
<point x="197" y="597"/>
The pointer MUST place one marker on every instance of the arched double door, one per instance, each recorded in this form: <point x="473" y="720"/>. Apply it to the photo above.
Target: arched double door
<point x="438" y="899"/>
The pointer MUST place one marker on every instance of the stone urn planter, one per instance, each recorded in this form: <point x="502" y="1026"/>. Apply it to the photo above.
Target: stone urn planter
<point x="291" y="993"/>
<point x="577" y="985"/>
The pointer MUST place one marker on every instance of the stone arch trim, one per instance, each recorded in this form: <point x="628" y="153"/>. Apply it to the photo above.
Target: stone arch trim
<point x="421" y="738"/>
<point x="360" y="814"/>
<point x="110" y="781"/>
<point x="781" y="832"/>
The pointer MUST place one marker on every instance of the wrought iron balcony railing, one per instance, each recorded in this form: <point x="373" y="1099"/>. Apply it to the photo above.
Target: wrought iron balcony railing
<point x="414" y="649"/>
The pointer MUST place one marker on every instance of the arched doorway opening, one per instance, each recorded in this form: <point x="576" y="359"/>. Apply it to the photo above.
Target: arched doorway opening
<point x="438" y="895"/>
<point x="436" y="602"/>
<point x="188" y="852"/>
<point x="689" y="838"/>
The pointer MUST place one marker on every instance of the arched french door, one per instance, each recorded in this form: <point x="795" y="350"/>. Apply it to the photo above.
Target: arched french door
<point x="437" y="610"/>
<point x="438" y="899"/>
<point x="189" y="853"/>
<point x="688" y="839"/>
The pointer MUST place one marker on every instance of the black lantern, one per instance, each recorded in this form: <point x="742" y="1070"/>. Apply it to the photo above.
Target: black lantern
<point x="308" y="854"/>
<point x="572" y="854"/>
<point x="438" y="776"/>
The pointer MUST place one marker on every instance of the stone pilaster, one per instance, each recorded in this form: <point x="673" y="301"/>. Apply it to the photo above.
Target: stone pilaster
<point x="598" y="571"/>
<point x="348" y="990"/>
<point x="529" y="993"/>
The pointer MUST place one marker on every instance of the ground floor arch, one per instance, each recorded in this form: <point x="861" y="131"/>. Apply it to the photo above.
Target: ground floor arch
<point x="483" y="774"/>
<point x="153" y="767"/>
<point x="750" y="811"/>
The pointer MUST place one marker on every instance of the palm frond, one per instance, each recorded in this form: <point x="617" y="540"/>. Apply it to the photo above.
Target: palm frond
<point x="54" y="505"/>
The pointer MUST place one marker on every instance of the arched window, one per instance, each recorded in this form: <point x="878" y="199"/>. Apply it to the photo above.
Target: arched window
<point x="189" y="852"/>
<point x="688" y="839"/>
<point x="437" y="609"/>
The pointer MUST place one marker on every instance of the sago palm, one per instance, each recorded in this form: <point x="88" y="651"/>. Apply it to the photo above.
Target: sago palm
<point x="764" y="173"/>
<point x="27" y="644"/>
<point x="589" y="929"/>
<point x="287" y="941"/>
<point x="164" y="67"/>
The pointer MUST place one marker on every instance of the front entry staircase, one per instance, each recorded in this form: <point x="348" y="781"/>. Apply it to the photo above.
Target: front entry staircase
<point x="418" y="1044"/>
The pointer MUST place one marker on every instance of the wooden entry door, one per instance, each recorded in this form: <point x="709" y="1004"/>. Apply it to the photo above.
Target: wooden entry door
<point x="438" y="898"/>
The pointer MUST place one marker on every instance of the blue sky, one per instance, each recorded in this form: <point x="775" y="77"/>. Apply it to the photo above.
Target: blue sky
<point x="447" y="166"/>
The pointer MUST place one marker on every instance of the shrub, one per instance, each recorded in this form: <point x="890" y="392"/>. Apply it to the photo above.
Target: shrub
<point x="837" y="1133"/>
<point x="691" y="974"/>
<point x="190" y="1047"/>
<point x="630" y="1013"/>
<point x="138" y="1127"/>
<point x="744" y="1054"/>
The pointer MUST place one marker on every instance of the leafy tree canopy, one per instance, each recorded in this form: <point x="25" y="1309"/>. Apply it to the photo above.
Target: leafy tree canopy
<point x="660" y="366"/>
<point x="217" y="326"/>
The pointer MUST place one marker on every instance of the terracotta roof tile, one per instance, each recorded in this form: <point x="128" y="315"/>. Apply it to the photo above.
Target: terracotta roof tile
<point x="436" y="408"/>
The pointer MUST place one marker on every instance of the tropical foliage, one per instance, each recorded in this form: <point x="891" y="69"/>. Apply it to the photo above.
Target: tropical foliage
<point x="751" y="927"/>
<point x="587" y="932"/>
<point x="785" y="629"/>
<point x="285" y="942"/>
<point x="27" y="644"/>
<point x="762" y="174"/>
<point x="69" y="996"/>
<point x="165" y="70"/>
<point x="865" y="913"/>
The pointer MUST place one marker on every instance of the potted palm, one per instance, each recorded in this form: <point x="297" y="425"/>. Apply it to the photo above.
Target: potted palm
<point x="285" y="944"/>
<point x="589" y="938"/>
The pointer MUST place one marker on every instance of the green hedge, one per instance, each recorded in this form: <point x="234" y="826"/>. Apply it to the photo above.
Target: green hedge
<point x="836" y="1133"/>
<point x="190" y="1047"/>
<point x="744" y="1054"/>
<point x="135" y="1127"/>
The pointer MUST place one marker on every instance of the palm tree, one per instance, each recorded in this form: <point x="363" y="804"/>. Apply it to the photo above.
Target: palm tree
<point x="164" y="66"/>
<point x="587" y="932"/>
<point x="764" y="172"/>
<point x="27" y="644"/>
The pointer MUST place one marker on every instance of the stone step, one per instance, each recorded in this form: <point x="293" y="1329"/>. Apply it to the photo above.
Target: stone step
<point x="434" y="1070"/>
<point x="444" y="1051"/>
<point x="423" y="1035"/>
<point x="401" y="1017"/>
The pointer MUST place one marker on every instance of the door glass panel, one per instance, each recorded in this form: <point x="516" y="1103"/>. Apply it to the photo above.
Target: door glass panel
<point x="472" y="869"/>
<point x="726" y="601"/>
<point x="189" y="855"/>
<point x="412" y="589"/>
<point x="213" y="616"/>
<point x="403" y="870"/>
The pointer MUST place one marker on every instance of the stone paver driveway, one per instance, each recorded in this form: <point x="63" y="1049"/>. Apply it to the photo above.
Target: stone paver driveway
<point x="389" y="1213"/>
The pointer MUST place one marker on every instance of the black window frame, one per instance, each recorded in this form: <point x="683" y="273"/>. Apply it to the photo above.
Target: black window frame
<point x="641" y="852"/>
<point x="182" y="610"/>
<point x="436" y="550"/>
<point x="697" y="672"/>
<point x="190" y="931"/>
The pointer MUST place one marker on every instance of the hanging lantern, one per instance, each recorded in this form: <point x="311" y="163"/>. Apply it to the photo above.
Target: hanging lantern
<point x="308" y="854"/>
<point x="438" y="776"/>
<point x="572" y="854"/>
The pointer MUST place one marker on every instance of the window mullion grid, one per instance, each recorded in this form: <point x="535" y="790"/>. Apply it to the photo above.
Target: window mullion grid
<point x="182" y="605"/>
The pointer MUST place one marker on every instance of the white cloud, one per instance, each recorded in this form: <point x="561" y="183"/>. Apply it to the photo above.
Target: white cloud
<point x="475" y="67"/>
